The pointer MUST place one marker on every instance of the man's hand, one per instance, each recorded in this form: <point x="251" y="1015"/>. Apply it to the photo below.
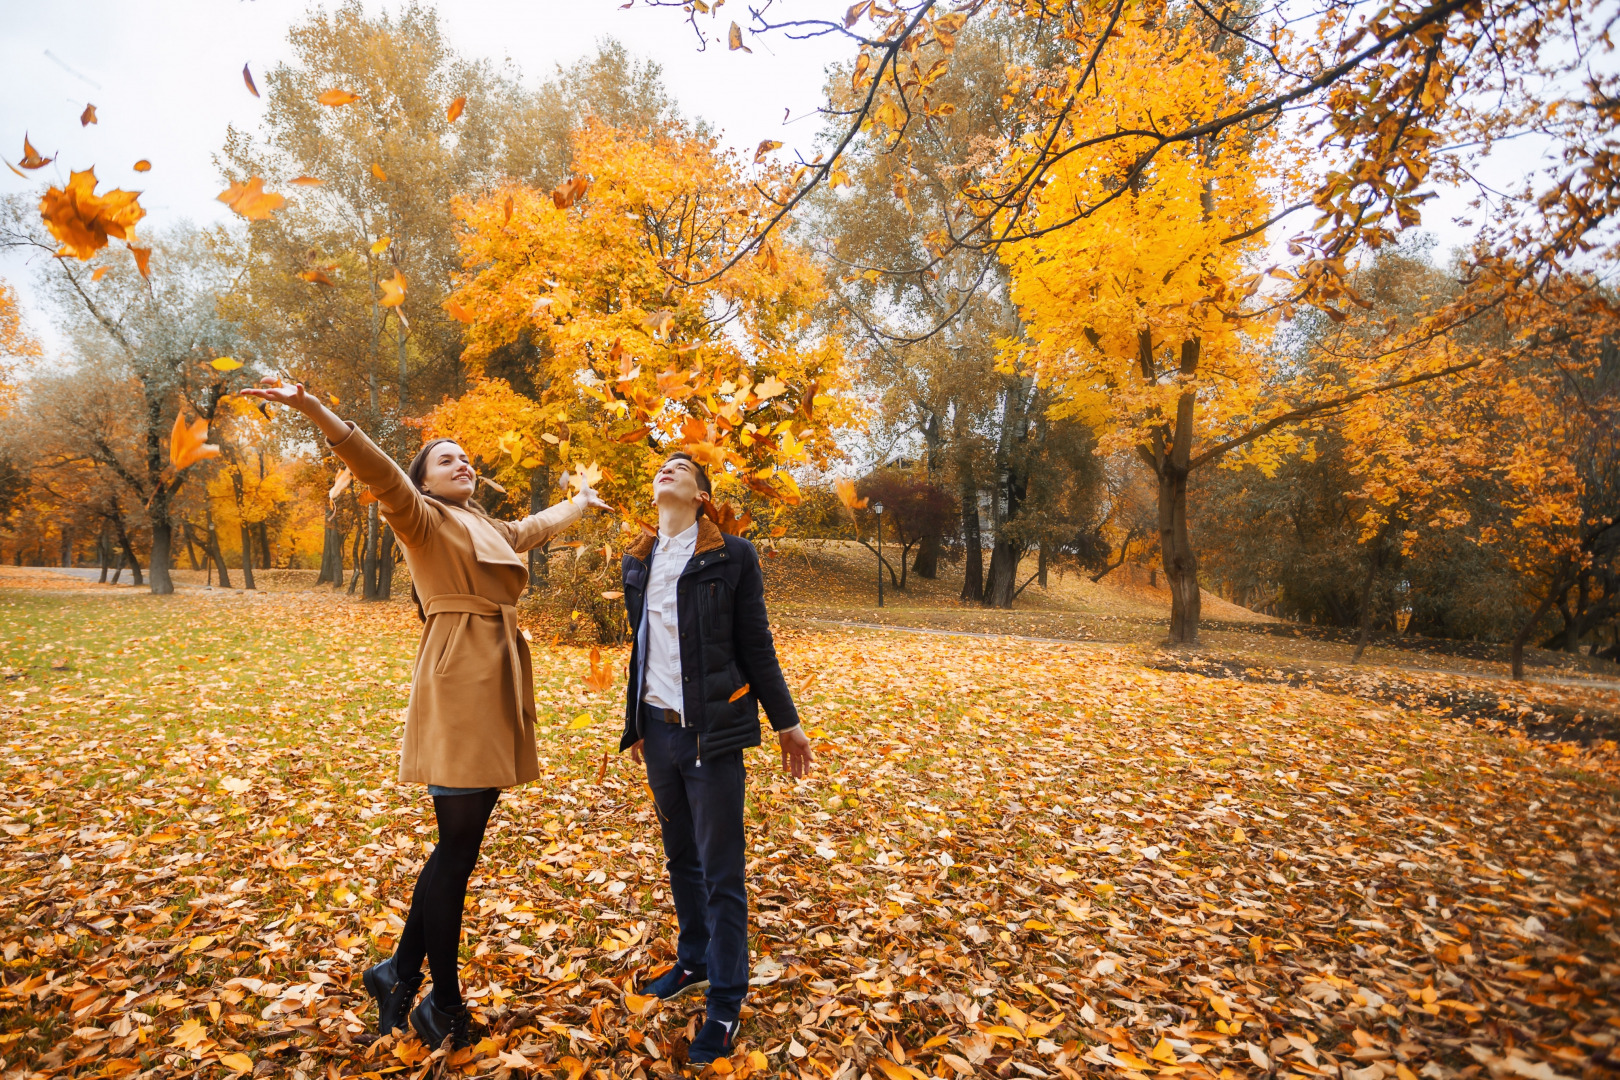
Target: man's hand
<point x="635" y="751"/>
<point x="796" y="756"/>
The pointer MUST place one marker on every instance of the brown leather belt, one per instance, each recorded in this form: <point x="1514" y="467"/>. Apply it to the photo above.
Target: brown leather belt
<point x="668" y="716"/>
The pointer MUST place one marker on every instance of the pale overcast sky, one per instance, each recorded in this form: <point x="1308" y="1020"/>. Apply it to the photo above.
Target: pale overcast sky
<point x="166" y="79"/>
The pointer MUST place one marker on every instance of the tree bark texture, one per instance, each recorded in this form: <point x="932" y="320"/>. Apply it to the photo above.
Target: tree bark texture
<point x="973" y="564"/>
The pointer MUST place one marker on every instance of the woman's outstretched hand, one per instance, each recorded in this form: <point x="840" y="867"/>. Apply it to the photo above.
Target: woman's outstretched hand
<point x="294" y="396"/>
<point x="273" y="390"/>
<point x="589" y="500"/>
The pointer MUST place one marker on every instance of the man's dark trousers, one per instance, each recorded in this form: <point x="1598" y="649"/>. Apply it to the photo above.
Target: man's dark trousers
<point x="700" y="812"/>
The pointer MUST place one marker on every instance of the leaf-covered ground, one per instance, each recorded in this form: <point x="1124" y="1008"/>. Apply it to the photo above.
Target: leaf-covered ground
<point x="1019" y="859"/>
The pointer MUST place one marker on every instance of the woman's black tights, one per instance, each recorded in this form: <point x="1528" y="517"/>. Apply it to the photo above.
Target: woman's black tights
<point x="433" y="927"/>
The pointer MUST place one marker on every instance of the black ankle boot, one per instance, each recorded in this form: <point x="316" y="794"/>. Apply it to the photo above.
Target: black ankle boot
<point x="433" y="1025"/>
<point x="394" y="995"/>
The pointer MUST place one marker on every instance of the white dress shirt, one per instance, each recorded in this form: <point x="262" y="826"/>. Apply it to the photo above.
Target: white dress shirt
<point x="662" y="685"/>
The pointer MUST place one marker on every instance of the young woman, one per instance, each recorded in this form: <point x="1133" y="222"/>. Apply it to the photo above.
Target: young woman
<point x="469" y="728"/>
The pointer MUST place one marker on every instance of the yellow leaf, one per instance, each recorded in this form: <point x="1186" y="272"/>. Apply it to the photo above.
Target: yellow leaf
<point x="200" y="942"/>
<point x="190" y="1033"/>
<point x="1003" y="1031"/>
<point x="575" y="1067"/>
<point x="1162" y="1051"/>
<point x="224" y="363"/>
<point x="143" y="166"/>
<point x="583" y="720"/>
<point x="734" y="39"/>
<point x="381" y="245"/>
<point x="237" y="1063"/>
<point x="765" y="146"/>
<point x="639" y="1004"/>
<point x="187" y="443"/>
<point x="893" y="1071"/>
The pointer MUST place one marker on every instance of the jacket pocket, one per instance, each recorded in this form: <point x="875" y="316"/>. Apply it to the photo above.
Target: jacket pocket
<point x="442" y="666"/>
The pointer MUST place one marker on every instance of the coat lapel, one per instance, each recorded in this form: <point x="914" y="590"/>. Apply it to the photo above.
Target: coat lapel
<point x="489" y="547"/>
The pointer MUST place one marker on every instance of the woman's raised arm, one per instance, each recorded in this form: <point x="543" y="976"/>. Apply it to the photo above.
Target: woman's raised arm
<point x="403" y="506"/>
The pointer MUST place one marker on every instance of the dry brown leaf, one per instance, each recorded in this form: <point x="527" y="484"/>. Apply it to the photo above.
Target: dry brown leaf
<point x="82" y="221"/>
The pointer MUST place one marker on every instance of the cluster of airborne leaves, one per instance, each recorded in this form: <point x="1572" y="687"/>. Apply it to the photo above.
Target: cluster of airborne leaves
<point x="1013" y="858"/>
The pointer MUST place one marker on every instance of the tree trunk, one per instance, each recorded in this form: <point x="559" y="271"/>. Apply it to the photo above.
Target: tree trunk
<point x="356" y="555"/>
<point x="539" y="488"/>
<point x="247" y="556"/>
<point x="1180" y="563"/>
<point x="1041" y="565"/>
<point x="67" y="546"/>
<point x="104" y="553"/>
<point x="1519" y="639"/>
<point x="1365" y="633"/>
<point x="368" y="588"/>
<point x="191" y="545"/>
<point x="266" y="561"/>
<point x="129" y="557"/>
<point x="973" y="576"/>
<point x="162" y="542"/>
<point x="385" y="564"/>
<point x="926" y="565"/>
<point x="214" y="554"/>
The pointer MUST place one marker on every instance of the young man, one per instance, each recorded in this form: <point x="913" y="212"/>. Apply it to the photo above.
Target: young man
<point x="701" y="666"/>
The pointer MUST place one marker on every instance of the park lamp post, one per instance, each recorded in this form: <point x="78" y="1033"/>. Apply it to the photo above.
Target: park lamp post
<point x="877" y="508"/>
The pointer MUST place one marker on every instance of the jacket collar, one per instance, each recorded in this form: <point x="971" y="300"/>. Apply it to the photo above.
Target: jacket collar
<point x="709" y="537"/>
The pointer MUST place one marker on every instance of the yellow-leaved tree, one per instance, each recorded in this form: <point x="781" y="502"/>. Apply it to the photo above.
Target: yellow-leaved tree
<point x="584" y="351"/>
<point x="1137" y="313"/>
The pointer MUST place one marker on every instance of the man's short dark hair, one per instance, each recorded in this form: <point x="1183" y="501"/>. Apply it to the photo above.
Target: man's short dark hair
<point x="702" y="473"/>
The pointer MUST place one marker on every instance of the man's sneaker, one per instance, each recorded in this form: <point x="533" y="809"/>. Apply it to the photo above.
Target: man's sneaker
<point x="675" y="982"/>
<point x="713" y="1042"/>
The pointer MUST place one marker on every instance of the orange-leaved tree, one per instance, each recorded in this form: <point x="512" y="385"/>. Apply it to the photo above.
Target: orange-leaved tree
<point x="584" y="351"/>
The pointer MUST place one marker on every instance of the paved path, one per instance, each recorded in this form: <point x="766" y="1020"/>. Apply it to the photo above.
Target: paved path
<point x="92" y="574"/>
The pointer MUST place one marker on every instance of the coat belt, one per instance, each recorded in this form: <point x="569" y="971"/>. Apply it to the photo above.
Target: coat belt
<point x="470" y="604"/>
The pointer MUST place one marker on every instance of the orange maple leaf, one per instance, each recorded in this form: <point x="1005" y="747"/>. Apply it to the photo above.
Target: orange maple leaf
<point x="570" y="193"/>
<point x="188" y="443"/>
<point x="454" y="111"/>
<point x="600" y="677"/>
<point x="251" y="200"/>
<point x="83" y="220"/>
<point x="335" y="98"/>
<point x="393" y="290"/>
<point x="31" y="158"/>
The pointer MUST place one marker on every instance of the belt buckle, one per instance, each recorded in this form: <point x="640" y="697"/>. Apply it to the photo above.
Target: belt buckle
<point x="671" y="716"/>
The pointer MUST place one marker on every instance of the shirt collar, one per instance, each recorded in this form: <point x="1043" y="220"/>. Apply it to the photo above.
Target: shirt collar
<point x="686" y="539"/>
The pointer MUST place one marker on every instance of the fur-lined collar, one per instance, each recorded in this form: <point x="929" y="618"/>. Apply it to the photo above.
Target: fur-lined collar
<point x="709" y="537"/>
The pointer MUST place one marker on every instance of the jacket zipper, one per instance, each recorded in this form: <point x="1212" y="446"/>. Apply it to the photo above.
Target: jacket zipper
<point x="699" y="764"/>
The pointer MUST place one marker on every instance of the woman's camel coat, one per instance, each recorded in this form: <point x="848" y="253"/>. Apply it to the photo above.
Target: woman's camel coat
<point x="470" y="722"/>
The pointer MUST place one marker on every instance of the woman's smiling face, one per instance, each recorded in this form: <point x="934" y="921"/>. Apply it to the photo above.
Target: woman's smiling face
<point x="449" y="474"/>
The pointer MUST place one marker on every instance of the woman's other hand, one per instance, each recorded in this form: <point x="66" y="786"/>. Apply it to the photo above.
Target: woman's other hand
<point x="588" y="499"/>
<point x="273" y="390"/>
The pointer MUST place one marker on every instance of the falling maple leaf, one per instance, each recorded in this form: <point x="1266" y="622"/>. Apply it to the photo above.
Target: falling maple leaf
<point x="143" y="166"/>
<point x="740" y="692"/>
<point x="765" y="146"/>
<point x="508" y="210"/>
<point x="31" y="158"/>
<point x="570" y="193"/>
<point x="306" y="181"/>
<point x="457" y="312"/>
<point x="83" y="221"/>
<point x="251" y="200"/>
<point x="247" y="77"/>
<point x="453" y="113"/>
<point x="600" y="676"/>
<point x="225" y="363"/>
<point x="143" y="260"/>
<point x="337" y="98"/>
<point x="393" y="290"/>
<point x="87" y="117"/>
<point x="377" y="171"/>
<point x="734" y="39"/>
<point x="658" y="324"/>
<point x="771" y="387"/>
<point x="381" y="245"/>
<point x="847" y="496"/>
<point x="316" y="276"/>
<point x="96" y="274"/>
<point x="340" y="484"/>
<point x="188" y="443"/>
